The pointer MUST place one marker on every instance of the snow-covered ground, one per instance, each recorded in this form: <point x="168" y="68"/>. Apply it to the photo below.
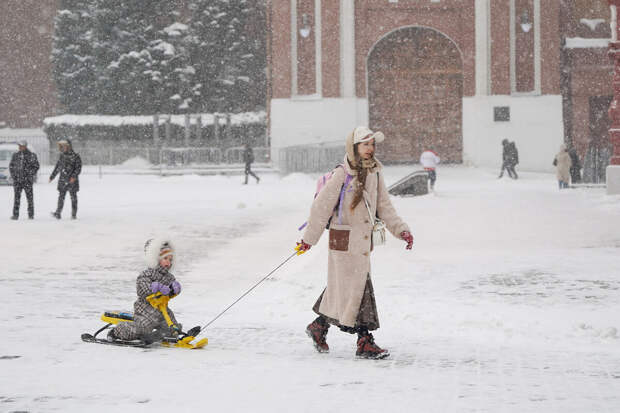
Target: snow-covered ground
<point x="509" y="302"/>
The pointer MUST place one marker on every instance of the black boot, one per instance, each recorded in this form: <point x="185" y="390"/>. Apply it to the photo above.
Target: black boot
<point x="194" y="331"/>
<point x="156" y="334"/>
<point x="111" y="335"/>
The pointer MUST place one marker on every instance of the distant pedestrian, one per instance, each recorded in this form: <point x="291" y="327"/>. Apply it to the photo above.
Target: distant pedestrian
<point x="510" y="159"/>
<point x="429" y="160"/>
<point x="248" y="158"/>
<point x="69" y="166"/>
<point x="23" y="167"/>
<point x="562" y="162"/>
<point x="575" y="168"/>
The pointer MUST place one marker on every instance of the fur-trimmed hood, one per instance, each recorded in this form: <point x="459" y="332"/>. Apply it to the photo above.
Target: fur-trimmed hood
<point x="153" y="246"/>
<point x="350" y="156"/>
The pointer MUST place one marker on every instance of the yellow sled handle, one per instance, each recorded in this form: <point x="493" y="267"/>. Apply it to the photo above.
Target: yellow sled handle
<point x="160" y="302"/>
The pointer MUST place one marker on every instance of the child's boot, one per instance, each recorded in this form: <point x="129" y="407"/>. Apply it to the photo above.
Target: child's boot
<point x="156" y="334"/>
<point x="111" y="335"/>
<point x="317" y="331"/>
<point x="366" y="348"/>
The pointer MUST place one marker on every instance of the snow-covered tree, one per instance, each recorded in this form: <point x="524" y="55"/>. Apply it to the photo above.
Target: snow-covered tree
<point x="223" y="54"/>
<point x="135" y="57"/>
<point x="172" y="67"/>
<point x="72" y="56"/>
<point x="129" y="49"/>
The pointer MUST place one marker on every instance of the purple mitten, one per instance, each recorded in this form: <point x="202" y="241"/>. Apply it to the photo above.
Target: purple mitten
<point x="157" y="286"/>
<point x="176" y="287"/>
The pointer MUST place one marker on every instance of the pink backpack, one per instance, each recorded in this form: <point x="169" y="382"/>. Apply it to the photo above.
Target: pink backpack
<point x="320" y="184"/>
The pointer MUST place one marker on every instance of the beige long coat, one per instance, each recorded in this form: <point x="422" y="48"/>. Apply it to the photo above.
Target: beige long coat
<point x="563" y="164"/>
<point x="349" y="242"/>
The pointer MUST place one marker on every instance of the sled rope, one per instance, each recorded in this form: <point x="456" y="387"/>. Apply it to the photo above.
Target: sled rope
<point x="246" y="293"/>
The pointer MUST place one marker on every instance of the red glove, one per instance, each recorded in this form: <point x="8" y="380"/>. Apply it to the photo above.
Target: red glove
<point x="302" y="247"/>
<point x="406" y="236"/>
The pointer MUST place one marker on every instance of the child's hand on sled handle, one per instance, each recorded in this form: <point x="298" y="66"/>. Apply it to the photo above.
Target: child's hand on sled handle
<point x="175" y="287"/>
<point x="156" y="286"/>
<point x="302" y="247"/>
<point x="408" y="238"/>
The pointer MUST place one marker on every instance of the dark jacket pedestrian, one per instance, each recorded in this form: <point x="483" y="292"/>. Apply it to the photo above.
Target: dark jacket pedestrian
<point x="23" y="167"/>
<point x="69" y="166"/>
<point x="575" y="168"/>
<point x="510" y="159"/>
<point x="248" y="159"/>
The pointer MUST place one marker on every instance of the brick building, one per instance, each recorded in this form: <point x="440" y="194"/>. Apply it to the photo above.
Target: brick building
<point x="27" y="91"/>
<point x="454" y="75"/>
<point x="457" y="75"/>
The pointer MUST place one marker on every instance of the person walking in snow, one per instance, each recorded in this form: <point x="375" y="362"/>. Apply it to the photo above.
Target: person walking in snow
<point x="23" y="168"/>
<point x="575" y="167"/>
<point x="248" y="158"/>
<point x="149" y="323"/>
<point x="562" y="163"/>
<point x="69" y="166"/>
<point x="348" y="301"/>
<point x="510" y="159"/>
<point x="429" y="160"/>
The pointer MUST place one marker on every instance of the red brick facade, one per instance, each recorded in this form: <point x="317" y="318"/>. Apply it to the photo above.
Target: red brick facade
<point x="581" y="74"/>
<point x="588" y="74"/>
<point x="27" y="91"/>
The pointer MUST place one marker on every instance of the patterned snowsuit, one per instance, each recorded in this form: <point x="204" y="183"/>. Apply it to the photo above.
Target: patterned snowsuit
<point x="146" y="317"/>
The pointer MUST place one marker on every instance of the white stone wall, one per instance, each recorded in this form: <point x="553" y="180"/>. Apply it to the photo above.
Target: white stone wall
<point x="308" y="121"/>
<point x="535" y="125"/>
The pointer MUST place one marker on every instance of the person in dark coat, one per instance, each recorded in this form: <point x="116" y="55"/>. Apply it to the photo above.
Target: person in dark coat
<point x="575" y="168"/>
<point x="510" y="159"/>
<point x="23" y="167"/>
<point x="69" y="166"/>
<point x="248" y="158"/>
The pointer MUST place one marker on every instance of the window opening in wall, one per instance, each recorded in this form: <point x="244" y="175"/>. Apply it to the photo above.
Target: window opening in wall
<point x="501" y="114"/>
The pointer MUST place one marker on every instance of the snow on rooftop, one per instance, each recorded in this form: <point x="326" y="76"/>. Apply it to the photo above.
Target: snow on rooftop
<point x="113" y="120"/>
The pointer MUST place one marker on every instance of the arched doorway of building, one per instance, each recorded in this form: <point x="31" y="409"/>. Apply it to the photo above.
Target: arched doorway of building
<point x="415" y="95"/>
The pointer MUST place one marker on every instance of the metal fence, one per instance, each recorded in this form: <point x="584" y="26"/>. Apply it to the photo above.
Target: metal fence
<point x="38" y="144"/>
<point x="595" y="163"/>
<point x="168" y="157"/>
<point x="311" y="158"/>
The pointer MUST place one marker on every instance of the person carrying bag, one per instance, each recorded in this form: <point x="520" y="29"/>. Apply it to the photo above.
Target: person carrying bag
<point x="348" y="301"/>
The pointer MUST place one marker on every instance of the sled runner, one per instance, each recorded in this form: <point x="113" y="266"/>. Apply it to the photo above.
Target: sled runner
<point x="160" y="302"/>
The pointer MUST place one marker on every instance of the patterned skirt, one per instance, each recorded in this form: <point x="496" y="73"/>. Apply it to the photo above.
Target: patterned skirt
<point x="367" y="315"/>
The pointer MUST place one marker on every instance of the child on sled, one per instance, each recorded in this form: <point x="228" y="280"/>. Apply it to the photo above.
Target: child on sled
<point x="149" y="323"/>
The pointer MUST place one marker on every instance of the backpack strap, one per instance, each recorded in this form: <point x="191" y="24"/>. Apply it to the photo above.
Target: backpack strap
<point x="347" y="181"/>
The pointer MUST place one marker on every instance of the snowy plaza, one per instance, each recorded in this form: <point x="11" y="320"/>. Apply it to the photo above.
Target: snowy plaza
<point x="508" y="302"/>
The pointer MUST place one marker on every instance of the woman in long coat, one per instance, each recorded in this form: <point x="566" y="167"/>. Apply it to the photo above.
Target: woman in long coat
<point x="348" y="301"/>
<point x="562" y="162"/>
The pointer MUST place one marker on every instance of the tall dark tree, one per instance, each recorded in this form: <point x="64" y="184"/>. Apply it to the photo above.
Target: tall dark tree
<point x="229" y="63"/>
<point x="126" y="32"/>
<point x="72" y="56"/>
<point x="172" y="67"/>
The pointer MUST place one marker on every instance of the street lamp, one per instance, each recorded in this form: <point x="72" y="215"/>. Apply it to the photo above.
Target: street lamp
<point x="305" y="28"/>
<point x="524" y="21"/>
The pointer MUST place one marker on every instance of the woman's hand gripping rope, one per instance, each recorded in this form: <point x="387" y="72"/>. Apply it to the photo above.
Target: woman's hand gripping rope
<point x="302" y="247"/>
